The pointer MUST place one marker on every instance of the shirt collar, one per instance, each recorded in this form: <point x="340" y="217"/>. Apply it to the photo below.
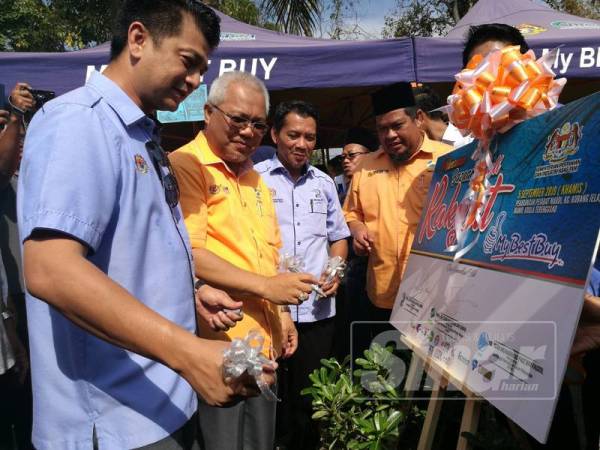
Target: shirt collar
<point x="209" y="157"/>
<point x="119" y="101"/>
<point x="275" y="165"/>
<point x="425" y="150"/>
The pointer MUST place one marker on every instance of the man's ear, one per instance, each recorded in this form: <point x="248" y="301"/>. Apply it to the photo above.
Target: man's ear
<point x="137" y="38"/>
<point x="421" y="118"/>
<point x="208" y="110"/>
<point x="274" y="135"/>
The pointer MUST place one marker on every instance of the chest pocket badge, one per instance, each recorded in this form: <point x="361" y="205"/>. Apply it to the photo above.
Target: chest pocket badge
<point x="318" y="206"/>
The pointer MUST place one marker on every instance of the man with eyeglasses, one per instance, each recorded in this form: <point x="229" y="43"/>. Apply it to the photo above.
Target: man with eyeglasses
<point x="359" y="141"/>
<point x="114" y="356"/>
<point x="386" y="197"/>
<point x="235" y="238"/>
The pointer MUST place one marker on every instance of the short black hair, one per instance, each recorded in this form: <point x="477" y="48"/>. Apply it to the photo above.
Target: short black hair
<point x="163" y="18"/>
<point x="300" y="107"/>
<point x="427" y="100"/>
<point x="479" y="34"/>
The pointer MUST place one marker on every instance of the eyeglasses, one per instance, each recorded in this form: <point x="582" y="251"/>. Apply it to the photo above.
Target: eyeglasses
<point x="168" y="180"/>
<point x="352" y="155"/>
<point x="241" y="123"/>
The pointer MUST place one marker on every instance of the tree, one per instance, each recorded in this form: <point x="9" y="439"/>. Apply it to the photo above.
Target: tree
<point x="424" y="18"/>
<point x="436" y="17"/>
<point x="55" y="25"/>
<point x="27" y="25"/>
<point x="582" y="8"/>
<point x="343" y="20"/>
<point x="293" y="16"/>
<point x="243" y="10"/>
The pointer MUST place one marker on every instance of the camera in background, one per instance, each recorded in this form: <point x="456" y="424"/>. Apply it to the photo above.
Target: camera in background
<point x="40" y="97"/>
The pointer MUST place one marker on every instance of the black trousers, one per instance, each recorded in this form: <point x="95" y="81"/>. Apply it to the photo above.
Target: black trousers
<point x="294" y="427"/>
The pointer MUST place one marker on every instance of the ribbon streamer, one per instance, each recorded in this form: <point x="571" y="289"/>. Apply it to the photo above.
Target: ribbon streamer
<point x="294" y="263"/>
<point x="244" y="355"/>
<point x="491" y="95"/>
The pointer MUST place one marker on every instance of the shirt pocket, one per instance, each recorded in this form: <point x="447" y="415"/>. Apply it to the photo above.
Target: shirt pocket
<point x="317" y="216"/>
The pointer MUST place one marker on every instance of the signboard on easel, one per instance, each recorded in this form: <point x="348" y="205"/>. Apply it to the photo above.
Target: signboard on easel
<point x="501" y="321"/>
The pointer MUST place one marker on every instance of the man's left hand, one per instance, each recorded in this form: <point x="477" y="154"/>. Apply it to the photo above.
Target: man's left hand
<point x="290" y="335"/>
<point x="329" y="288"/>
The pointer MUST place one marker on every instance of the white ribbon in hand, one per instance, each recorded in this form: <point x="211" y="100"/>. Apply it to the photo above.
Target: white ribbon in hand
<point x="244" y="355"/>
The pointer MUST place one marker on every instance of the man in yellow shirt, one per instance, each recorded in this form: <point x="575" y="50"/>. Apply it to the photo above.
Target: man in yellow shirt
<point x="387" y="195"/>
<point x="235" y="240"/>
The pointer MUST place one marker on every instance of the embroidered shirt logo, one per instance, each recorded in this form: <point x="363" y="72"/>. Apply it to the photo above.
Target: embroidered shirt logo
<point x="370" y="173"/>
<point x="140" y="164"/>
<point x="214" y="189"/>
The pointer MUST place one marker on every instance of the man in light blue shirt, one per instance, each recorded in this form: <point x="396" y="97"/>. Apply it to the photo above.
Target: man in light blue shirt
<point x="107" y="261"/>
<point x="312" y="227"/>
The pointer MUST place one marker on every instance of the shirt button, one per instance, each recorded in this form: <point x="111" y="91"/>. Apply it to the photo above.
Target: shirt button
<point x="298" y="223"/>
<point x="244" y="204"/>
<point x="297" y="205"/>
<point x="299" y="242"/>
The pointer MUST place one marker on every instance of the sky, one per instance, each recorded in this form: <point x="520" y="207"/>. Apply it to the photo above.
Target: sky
<point x="371" y="14"/>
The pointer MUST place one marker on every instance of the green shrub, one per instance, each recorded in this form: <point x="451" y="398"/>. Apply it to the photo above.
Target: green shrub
<point x="353" y="417"/>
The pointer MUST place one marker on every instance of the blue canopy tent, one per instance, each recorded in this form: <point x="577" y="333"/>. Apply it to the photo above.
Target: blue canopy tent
<point x="578" y="39"/>
<point x="335" y="75"/>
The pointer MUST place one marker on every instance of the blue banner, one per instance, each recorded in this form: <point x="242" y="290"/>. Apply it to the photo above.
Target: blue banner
<point x="542" y="212"/>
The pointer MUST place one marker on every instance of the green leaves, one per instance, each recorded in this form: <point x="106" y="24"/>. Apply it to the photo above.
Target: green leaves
<point x="294" y="16"/>
<point x="55" y="25"/>
<point x="352" y="417"/>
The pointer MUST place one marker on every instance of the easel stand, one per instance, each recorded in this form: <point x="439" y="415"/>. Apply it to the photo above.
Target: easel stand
<point x="470" y="418"/>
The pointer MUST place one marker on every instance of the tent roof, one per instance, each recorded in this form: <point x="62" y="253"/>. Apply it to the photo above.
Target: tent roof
<point x="438" y="59"/>
<point x="283" y="61"/>
<point x="523" y="14"/>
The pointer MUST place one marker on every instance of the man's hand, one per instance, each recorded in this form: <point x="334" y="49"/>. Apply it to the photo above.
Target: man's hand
<point x="587" y="336"/>
<point x="329" y="288"/>
<point x="287" y="288"/>
<point x="21" y="98"/>
<point x="290" y="335"/>
<point x="217" y="309"/>
<point x="203" y="369"/>
<point x="361" y="241"/>
<point x="21" y="357"/>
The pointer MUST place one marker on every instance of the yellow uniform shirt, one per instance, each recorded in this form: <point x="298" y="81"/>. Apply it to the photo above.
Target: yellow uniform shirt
<point x="388" y="199"/>
<point x="233" y="217"/>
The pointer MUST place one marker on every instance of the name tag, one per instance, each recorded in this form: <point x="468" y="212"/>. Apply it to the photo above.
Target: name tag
<point x="318" y="205"/>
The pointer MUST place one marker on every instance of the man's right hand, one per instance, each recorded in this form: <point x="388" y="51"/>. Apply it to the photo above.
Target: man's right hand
<point x="217" y="309"/>
<point x="287" y="288"/>
<point x="21" y="97"/>
<point x="361" y="241"/>
<point x="202" y="368"/>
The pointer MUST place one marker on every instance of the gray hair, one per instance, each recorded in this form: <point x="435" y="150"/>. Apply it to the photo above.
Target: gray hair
<point x="218" y="88"/>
